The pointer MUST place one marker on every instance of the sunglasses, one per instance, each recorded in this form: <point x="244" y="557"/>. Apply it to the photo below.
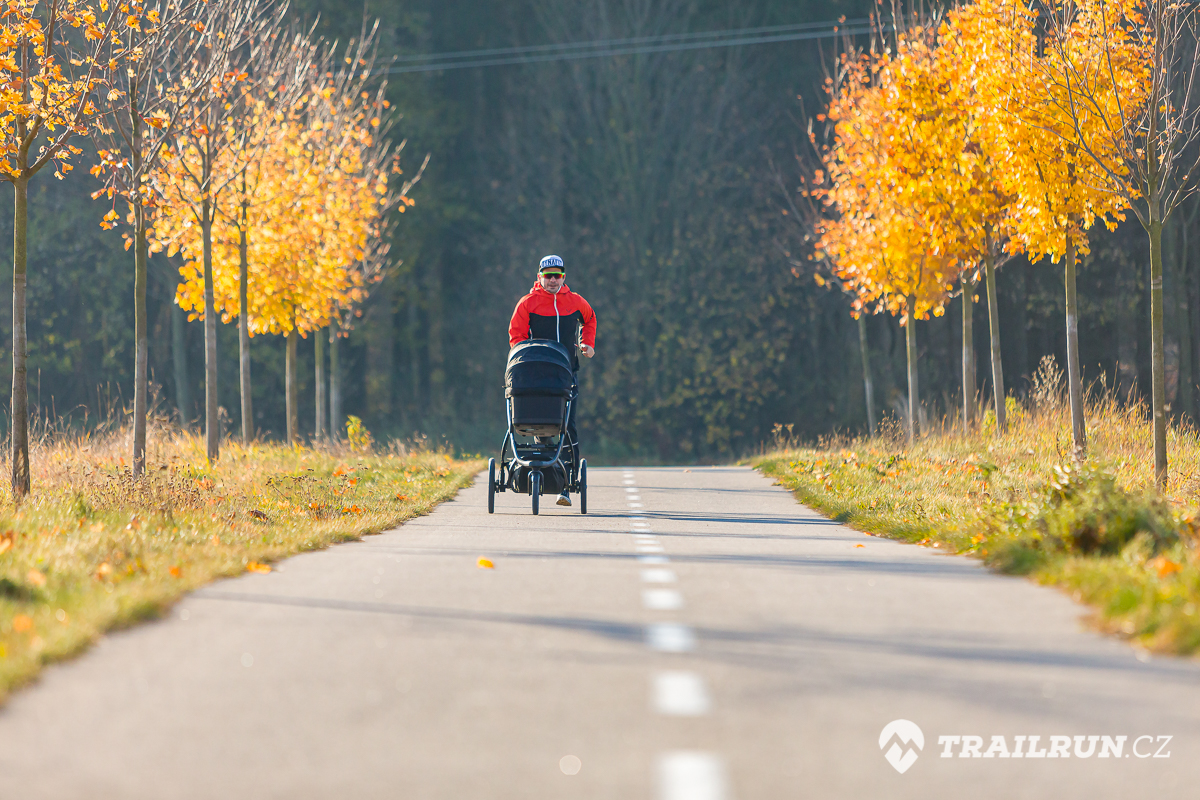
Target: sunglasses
<point x="554" y="274"/>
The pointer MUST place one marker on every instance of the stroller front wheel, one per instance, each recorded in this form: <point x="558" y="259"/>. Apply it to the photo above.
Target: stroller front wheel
<point x="491" y="485"/>
<point x="535" y="489"/>
<point x="583" y="486"/>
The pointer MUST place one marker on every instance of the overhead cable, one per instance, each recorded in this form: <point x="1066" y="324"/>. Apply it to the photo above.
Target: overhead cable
<point x="572" y="51"/>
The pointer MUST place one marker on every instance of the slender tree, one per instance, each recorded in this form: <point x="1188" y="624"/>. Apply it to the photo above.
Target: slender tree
<point x="1124" y="76"/>
<point x="205" y="159"/>
<point x="146" y="104"/>
<point x="49" y="69"/>
<point x="1051" y="207"/>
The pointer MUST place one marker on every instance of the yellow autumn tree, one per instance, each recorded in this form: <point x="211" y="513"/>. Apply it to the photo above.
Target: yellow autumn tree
<point x="881" y="241"/>
<point x="47" y="80"/>
<point x="141" y="111"/>
<point x="290" y="241"/>
<point x="1120" y="78"/>
<point x="1056" y="190"/>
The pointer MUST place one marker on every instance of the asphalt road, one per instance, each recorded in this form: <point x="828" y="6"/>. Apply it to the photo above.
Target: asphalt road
<point x="698" y="636"/>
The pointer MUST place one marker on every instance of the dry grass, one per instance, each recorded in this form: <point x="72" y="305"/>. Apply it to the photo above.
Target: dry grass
<point x="90" y="549"/>
<point x="1017" y="501"/>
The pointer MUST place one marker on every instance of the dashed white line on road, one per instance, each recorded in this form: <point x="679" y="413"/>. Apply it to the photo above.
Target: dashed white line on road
<point x="650" y="548"/>
<point x="652" y="559"/>
<point x="662" y="599"/>
<point x="635" y="505"/>
<point x="670" y="637"/>
<point x="631" y="489"/>
<point x="658" y="576"/>
<point x="680" y="694"/>
<point x="690" y="775"/>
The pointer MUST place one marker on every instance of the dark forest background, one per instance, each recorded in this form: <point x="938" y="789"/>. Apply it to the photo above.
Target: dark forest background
<point x="659" y="179"/>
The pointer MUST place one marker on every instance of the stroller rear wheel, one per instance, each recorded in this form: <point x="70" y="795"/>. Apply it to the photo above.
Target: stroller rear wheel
<point x="535" y="489"/>
<point x="583" y="486"/>
<point x="491" y="485"/>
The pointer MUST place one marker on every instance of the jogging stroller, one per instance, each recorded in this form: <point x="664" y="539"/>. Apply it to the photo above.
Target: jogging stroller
<point x="539" y="388"/>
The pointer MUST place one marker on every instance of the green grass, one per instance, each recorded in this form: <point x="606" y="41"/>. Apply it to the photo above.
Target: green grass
<point x="90" y="550"/>
<point x="1097" y="530"/>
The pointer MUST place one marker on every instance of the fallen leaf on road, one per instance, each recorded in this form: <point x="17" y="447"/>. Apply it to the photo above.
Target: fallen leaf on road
<point x="484" y="563"/>
<point x="255" y="566"/>
<point x="860" y="545"/>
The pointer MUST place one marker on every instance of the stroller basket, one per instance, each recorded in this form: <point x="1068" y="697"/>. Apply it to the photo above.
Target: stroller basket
<point x="538" y="416"/>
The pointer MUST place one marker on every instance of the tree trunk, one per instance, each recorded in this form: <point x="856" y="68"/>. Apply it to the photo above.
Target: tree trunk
<point x="20" y="389"/>
<point x="1074" y="379"/>
<point x="293" y="414"/>
<point x="910" y="341"/>
<point x="1158" y="361"/>
<point x="379" y="332"/>
<point x="212" y="423"/>
<point x="993" y="302"/>
<point x="968" y="353"/>
<point x="1127" y="335"/>
<point x="868" y="390"/>
<point x="335" y="384"/>
<point x="183" y="389"/>
<point x="319" y="377"/>
<point x="244" y="325"/>
<point x="1183" y="319"/>
<point x="141" y="333"/>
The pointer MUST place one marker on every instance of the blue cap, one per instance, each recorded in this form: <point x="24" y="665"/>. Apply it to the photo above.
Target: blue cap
<point x="551" y="263"/>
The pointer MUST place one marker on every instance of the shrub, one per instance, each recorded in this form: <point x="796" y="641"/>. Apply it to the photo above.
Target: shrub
<point x="1079" y="511"/>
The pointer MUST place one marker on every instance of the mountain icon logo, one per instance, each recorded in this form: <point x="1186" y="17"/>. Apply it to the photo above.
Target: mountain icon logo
<point x="898" y="733"/>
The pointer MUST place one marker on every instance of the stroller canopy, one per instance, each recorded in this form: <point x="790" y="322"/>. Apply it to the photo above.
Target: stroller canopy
<point x="538" y="367"/>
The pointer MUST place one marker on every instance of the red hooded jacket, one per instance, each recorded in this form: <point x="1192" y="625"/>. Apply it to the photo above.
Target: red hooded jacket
<point x="541" y="315"/>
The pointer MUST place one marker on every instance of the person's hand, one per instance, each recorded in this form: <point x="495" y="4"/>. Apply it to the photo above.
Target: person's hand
<point x="589" y="351"/>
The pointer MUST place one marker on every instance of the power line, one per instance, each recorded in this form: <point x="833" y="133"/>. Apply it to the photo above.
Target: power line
<point x="660" y="39"/>
<point x="573" y="51"/>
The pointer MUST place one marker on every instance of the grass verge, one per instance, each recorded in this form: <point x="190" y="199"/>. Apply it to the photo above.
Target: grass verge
<point x="1097" y="530"/>
<point x="90" y="550"/>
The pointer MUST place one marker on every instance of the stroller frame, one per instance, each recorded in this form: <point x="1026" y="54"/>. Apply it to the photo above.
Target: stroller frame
<point x="533" y="457"/>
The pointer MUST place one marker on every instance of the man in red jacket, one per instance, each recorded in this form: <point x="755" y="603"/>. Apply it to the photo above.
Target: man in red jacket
<point x="552" y="311"/>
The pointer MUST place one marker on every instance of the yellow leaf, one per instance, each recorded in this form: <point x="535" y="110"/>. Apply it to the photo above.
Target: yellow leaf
<point x="255" y="566"/>
<point x="1164" y="566"/>
<point x="484" y="563"/>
